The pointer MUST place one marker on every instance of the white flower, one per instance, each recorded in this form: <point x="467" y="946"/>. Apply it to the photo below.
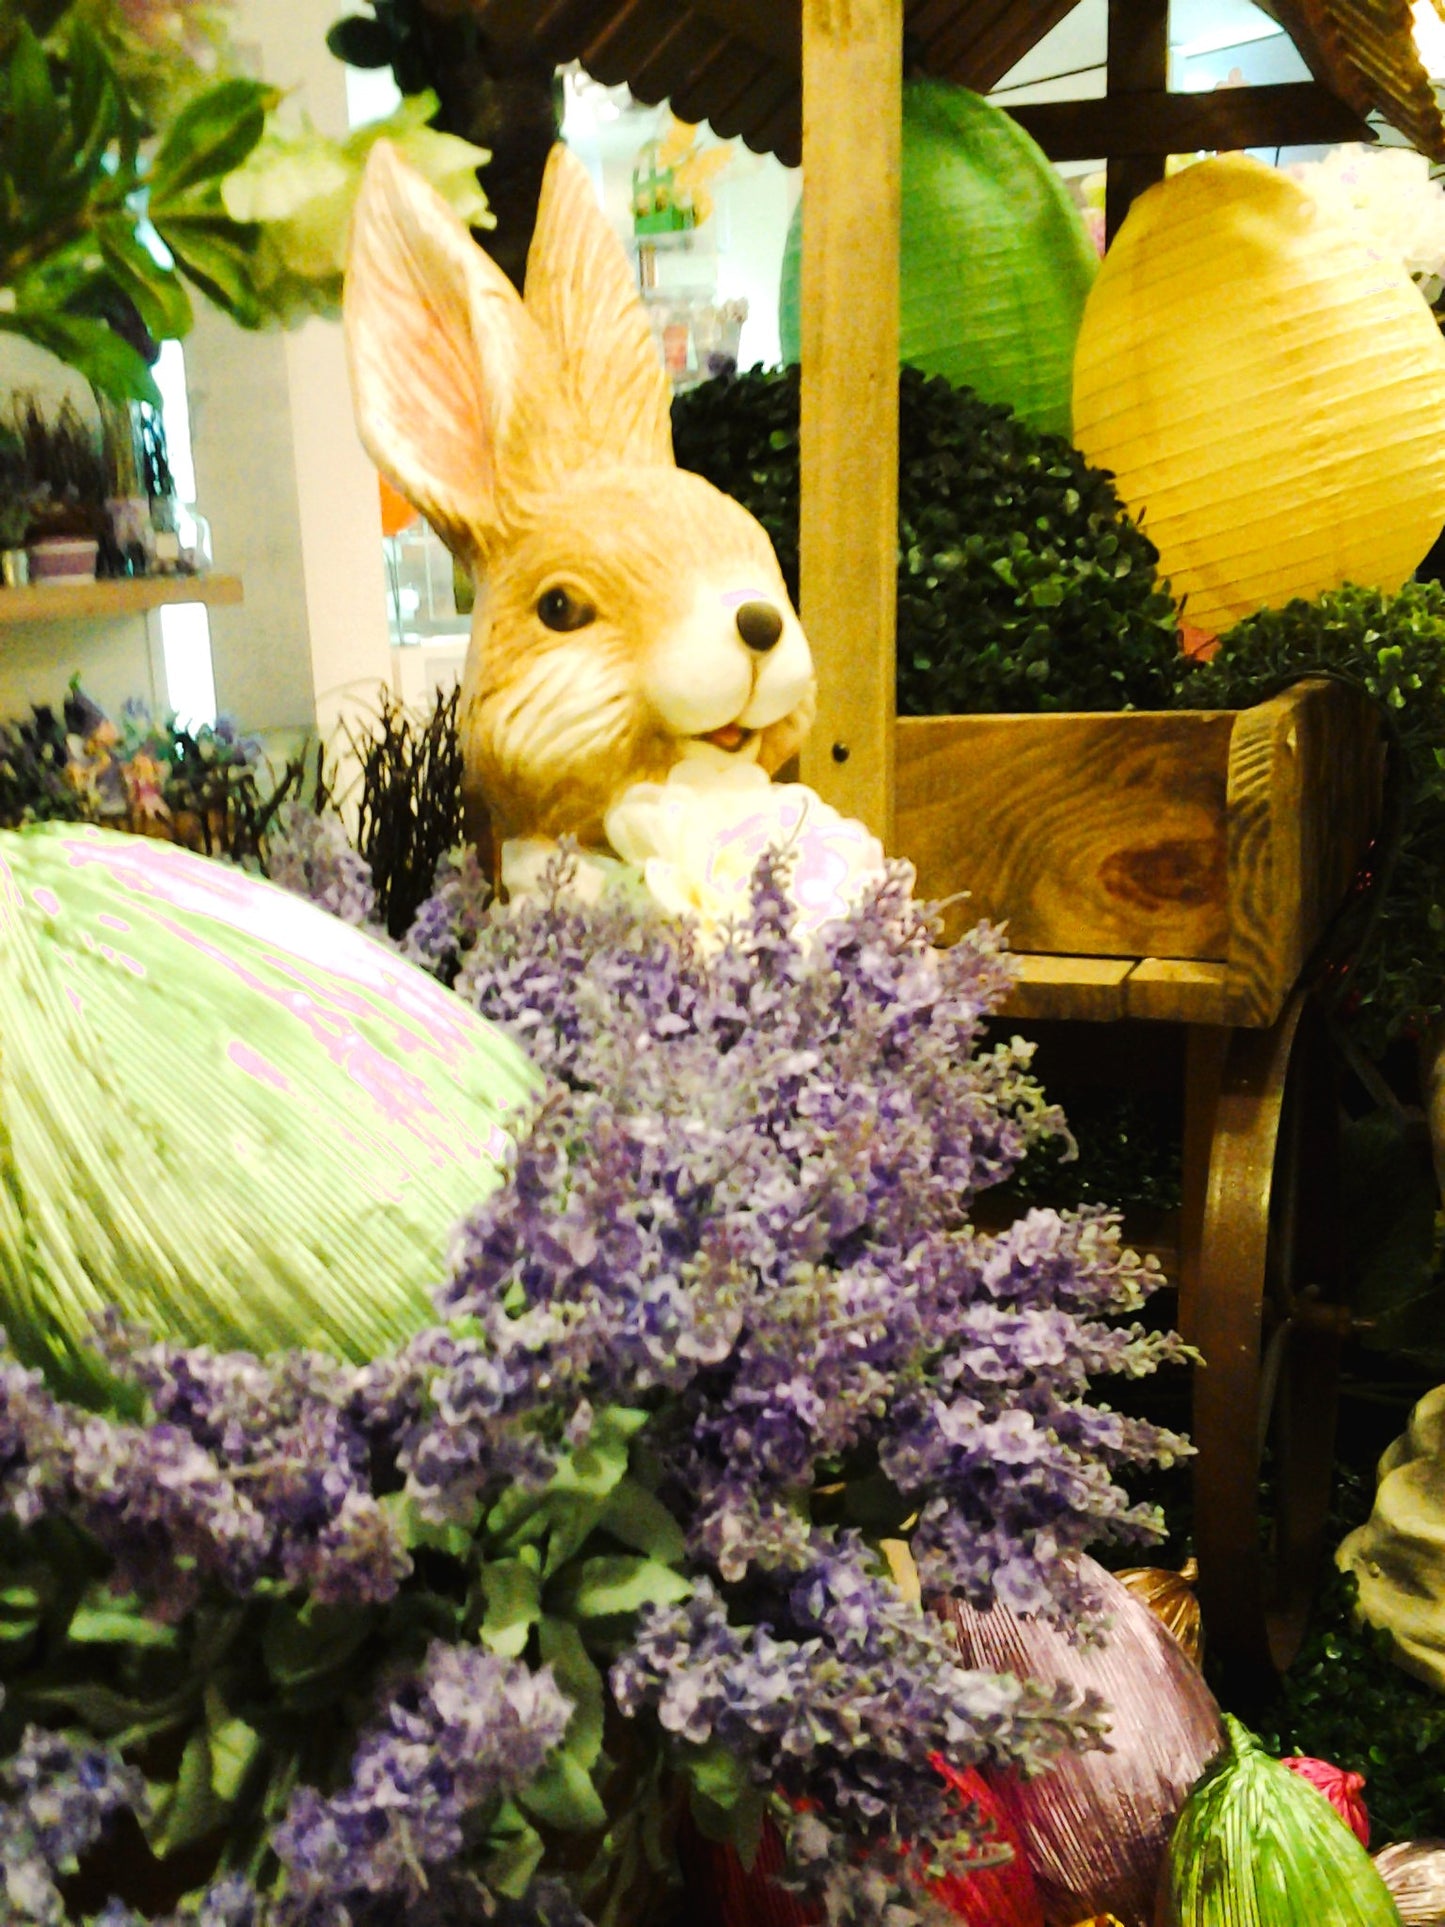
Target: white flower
<point x="1387" y="196"/>
<point x="698" y="837"/>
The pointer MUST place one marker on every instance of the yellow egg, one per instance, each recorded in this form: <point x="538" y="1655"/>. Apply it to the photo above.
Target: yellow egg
<point x="1268" y="390"/>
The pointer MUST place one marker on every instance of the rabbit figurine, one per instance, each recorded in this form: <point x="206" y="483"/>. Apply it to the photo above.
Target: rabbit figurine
<point x="629" y="617"/>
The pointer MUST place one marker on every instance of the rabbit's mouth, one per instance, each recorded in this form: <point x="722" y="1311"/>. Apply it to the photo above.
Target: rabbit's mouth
<point x="731" y="737"/>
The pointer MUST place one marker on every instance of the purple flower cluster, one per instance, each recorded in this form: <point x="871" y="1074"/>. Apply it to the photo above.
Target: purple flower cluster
<point x="58" y="1799"/>
<point x="838" y="1695"/>
<point x="469" y="1730"/>
<point x="311" y="854"/>
<point x="749" y="1192"/>
<point x="246" y="1471"/>
<point x="448" y="922"/>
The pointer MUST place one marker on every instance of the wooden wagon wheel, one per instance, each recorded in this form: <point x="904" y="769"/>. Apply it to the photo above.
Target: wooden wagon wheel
<point x="1264" y="1307"/>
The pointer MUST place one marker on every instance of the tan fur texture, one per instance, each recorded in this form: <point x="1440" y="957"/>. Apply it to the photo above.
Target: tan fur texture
<point x="536" y="438"/>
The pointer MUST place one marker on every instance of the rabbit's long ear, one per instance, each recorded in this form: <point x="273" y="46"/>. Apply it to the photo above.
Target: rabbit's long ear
<point x="582" y="291"/>
<point x="455" y="399"/>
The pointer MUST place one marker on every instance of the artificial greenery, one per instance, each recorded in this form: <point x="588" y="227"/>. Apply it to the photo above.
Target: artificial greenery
<point x="1346" y="1700"/>
<point x="205" y="785"/>
<point x="76" y="273"/>
<point x="111" y="118"/>
<point x="1393" y="647"/>
<point x="1022" y="583"/>
<point x="409" y="802"/>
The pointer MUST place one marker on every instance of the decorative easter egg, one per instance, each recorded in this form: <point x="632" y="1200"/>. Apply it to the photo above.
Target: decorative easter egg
<point x="995" y="261"/>
<point x="1170" y="1596"/>
<point x="1269" y="393"/>
<point x="223" y="1112"/>
<point x="1414" y="1872"/>
<point x="1003" y="1896"/>
<point x="1256" y="1844"/>
<point x="1096" y="1825"/>
<point x="1341" y="1789"/>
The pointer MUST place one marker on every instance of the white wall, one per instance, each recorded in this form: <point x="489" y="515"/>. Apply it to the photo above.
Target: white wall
<point x="290" y="495"/>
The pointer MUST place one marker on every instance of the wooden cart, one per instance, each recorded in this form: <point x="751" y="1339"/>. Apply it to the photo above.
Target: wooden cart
<point x="1181" y="868"/>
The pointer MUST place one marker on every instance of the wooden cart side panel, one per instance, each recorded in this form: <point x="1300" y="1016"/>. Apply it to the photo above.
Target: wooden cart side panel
<point x="1091" y="835"/>
<point x="1305" y="775"/>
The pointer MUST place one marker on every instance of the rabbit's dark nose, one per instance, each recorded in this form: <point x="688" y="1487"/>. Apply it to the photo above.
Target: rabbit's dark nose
<point x="759" y="625"/>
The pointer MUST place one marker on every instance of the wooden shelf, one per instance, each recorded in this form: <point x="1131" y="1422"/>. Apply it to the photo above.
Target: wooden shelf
<point x="95" y="601"/>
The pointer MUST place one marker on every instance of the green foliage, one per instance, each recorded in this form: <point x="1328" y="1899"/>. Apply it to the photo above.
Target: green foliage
<point x="228" y="1708"/>
<point x="1394" y="647"/>
<point x="1345" y="1700"/>
<point x="1022" y="584"/>
<point x="75" y="276"/>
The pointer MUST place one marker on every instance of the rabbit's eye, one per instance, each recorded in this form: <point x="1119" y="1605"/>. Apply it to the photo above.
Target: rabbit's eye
<point x="562" y="610"/>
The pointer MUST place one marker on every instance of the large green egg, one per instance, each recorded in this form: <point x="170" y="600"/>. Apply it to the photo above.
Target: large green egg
<point x="222" y="1111"/>
<point x="995" y="260"/>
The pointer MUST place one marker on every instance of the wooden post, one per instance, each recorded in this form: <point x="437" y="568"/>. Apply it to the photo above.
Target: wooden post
<point x="1138" y="63"/>
<point x="848" y="539"/>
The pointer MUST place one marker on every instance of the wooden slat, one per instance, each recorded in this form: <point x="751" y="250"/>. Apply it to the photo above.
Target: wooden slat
<point x="96" y="601"/>
<point x="978" y="55"/>
<point x="1294" y="113"/>
<point x="1090" y="990"/>
<point x="1093" y="835"/>
<point x="848" y="536"/>
<point x="773" y="29"/>
<point x="1176" y="990"/>
<point x="1305" y="773"/>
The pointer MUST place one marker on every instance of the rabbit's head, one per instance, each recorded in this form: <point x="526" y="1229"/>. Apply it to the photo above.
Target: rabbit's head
<point x="628" y="614"/>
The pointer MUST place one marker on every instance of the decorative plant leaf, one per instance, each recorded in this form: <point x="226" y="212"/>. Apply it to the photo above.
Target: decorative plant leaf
<point x="93" y="348"/>
<point x="564" y="1797"/>
<point x="580" y="1680"/>
<point x="605" y="1586"/>
<point x="208" y="139"/>
<point x="513" y="1590"/>
<point x="118" y="1626"/>
<point x="159" y="296"/>
<point x="639" y="1518"/>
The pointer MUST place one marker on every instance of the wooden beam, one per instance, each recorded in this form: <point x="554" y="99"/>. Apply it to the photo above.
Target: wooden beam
<point x="1138" y="63"/>
<point x="1295" y="113"/>
<point x="848" y="539"/>
<point x="774" y="30"/>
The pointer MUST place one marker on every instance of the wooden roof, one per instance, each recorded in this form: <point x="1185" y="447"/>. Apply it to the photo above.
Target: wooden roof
<point x="737" y="63"/>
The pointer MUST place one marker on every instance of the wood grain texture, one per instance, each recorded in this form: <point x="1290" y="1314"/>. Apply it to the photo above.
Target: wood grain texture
<point x="1090" y="835"/>
<point x="1176" y="990"/>
<point x="1088" y="990"/>
<point x="1305" y="777"/>
<point x="848" y="534"/>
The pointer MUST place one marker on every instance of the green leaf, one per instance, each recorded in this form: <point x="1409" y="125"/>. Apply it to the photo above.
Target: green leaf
<point x="188" y="1809"/>
<point x="209" y="138"/>
<point x="639" y="1518"/>
<point x="563" y="1796"/>
<point x="516" y="1850"/>
<point x="35" y="116"/>
<point x="513" y="1589"/>
<point x="217" y="256"/>
<point x="718" y="1775"/>
<point x="304" y="1644"/>
<point x="621" y="1585"/>
<point x="118" y="1625"/>
<point x="580" y="1680"/>
<point x="158" y="293"/>
<point x="234" y="1746"/>
<point x="93" y="349"/>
